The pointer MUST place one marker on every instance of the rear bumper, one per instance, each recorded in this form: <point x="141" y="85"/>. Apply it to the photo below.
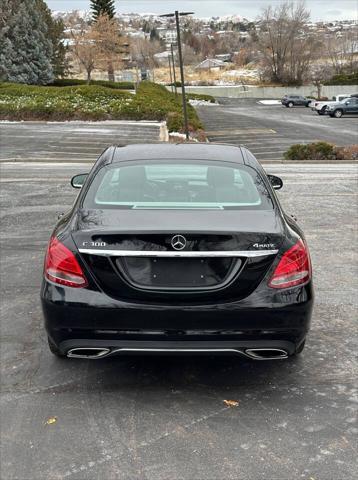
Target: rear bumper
<point x="86" y="318"/>
<point x="81" y="348"/>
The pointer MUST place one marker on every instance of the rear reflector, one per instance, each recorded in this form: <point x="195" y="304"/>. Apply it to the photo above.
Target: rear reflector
<point x="293" y="269"/>
<point x="62" y="267"/>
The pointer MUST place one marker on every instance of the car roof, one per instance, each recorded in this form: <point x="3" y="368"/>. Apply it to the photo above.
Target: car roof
<point x="180" y="151"/>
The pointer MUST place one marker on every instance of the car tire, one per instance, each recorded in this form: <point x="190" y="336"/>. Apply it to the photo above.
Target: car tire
<point x="290" y="104"/>
<point x="338" y="114"/>
<point x="300" y="348"/>
<point x="54" y="349"/>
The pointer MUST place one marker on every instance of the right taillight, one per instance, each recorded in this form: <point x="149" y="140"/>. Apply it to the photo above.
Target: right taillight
<point x="62" y="267"/>
<point x="293" y="269"/>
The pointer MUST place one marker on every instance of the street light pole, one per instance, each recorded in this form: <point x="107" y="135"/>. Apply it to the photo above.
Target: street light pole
<point x="170" y="72"/>
<point x="174" y="72"/>
<point x="180" y="53"/>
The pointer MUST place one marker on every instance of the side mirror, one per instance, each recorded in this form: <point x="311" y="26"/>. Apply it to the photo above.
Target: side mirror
<point x="78" y="180"/>
<point x="276" y="182"/>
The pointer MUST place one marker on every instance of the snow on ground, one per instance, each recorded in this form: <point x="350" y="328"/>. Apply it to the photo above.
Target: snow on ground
<point x="196" y="103"/>
<point x="242" y="72"/>
<point x="270" y="102"/>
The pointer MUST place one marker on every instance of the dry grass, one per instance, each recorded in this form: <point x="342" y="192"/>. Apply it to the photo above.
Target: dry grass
<point x="230" y="74"/>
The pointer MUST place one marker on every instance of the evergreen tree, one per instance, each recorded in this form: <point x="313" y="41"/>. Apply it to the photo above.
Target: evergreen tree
<point x="25" y="50"/>
<point x="55" y="32"/>
<point x="103" y="7"/>
<point x="154" y="35"/>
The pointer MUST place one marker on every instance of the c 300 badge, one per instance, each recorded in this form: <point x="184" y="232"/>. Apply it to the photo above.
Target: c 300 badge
<point x="94" y="244"/>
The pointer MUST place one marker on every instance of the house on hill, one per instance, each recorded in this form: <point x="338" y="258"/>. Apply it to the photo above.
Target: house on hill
<point x="211" y="64"/>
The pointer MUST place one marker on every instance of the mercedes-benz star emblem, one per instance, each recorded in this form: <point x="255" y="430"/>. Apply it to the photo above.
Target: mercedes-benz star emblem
<point x="178" y="242"/>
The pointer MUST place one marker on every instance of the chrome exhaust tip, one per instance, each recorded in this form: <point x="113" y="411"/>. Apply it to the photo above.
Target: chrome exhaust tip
<point x="266" y="353"/>
<point x="88" y="352"/>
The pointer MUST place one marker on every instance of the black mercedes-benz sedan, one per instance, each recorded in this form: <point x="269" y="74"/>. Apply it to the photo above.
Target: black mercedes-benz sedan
<point x="177" y="249"/>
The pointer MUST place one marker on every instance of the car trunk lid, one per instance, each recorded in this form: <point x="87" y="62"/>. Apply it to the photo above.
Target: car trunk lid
<point x="133" y="254"/>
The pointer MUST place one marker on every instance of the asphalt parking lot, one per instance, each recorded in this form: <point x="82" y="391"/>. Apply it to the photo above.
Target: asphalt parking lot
<point x="269" y="130"/>
<point x="161" y="418"/>
<point x="70" y="141"/>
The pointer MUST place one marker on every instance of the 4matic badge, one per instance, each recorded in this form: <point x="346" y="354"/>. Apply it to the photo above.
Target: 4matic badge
<point x="264" y="245"/>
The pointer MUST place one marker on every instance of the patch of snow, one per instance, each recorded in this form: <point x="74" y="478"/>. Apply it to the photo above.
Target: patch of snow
<point x="177" y="134"/>
<point x="242" y="72"/>
<point x="196" y="103"/>
<point x="11" y="121"/>
<point x="270" y="102"/>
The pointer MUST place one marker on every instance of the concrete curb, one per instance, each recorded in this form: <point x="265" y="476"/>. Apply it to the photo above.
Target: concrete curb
<point x="147" y="123"/>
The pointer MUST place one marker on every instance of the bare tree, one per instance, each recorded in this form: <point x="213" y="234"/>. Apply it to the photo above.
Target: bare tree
<point x="285" y="43"/>
<point x="105" y="32"/>
<point x="83" y="46"/>
<point x="320" y="74"/>
<point x="341" y="51"/>
<point x="143" y="51"/>
<point x="189" y="55"/>
<point x="97" y="44"/>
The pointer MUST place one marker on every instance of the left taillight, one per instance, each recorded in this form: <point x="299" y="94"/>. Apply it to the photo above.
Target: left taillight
<point x="293" y="269"/>
<point x="61" y="266"/>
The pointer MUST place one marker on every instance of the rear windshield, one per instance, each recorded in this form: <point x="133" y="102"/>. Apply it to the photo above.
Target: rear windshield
<point x="177" y="185"/>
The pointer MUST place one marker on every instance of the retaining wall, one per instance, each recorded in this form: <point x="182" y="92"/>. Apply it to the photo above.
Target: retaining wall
<point x="272" y="92"/>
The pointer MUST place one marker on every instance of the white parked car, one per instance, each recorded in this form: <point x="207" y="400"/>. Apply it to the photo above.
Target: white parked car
<point x="321" y="106"/>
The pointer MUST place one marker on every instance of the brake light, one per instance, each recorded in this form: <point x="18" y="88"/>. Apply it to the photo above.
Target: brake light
<point x="62" y="267"/>
<point x="293" y="269"/>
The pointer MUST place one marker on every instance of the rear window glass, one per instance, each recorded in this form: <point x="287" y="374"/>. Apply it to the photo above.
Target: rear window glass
<point x="177" y="185"/>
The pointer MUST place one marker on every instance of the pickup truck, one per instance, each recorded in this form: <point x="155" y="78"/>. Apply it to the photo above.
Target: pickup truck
<point x="321" y="106"/>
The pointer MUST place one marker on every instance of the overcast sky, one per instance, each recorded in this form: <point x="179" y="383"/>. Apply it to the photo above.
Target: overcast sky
<point x="320" y="9"/>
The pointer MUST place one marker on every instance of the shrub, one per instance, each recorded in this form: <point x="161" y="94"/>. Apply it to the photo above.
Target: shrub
<point x="346" y="153"/>
<point x="312" y="151"/>
<point x="94" y="102"/>
<point x="161" y="104"/>
<point x="200" y="96"/>
<point x="69" y="82"/>
<point x="344" y="79"/>
<point x="23" y="102"/>
<point x="173" y="84"/>
<point x="321" y="151"/>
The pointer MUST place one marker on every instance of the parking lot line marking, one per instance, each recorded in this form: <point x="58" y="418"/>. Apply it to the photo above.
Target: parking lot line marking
<point x="242" y="131"/>
<point x="32" y="179"/>
<point x="254" y="147"/>
<point x="268" y="151"/>
<point x="20" y="161"/>
<point x="72" y="146"/>
<point x="20" y="136"/>
<point x="46" y="152"/>
<point x="83" y="142"/>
